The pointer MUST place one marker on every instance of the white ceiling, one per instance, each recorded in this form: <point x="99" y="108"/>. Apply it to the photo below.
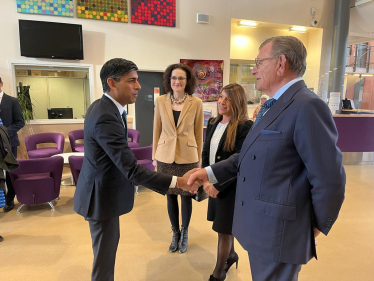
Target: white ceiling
<point x="361" y="23"/>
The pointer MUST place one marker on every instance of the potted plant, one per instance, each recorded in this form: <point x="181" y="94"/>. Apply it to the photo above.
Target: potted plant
<point x="27" y="107"/>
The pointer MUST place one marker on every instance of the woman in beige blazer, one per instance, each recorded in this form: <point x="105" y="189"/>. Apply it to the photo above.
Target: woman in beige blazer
<point x="177" y="142"/>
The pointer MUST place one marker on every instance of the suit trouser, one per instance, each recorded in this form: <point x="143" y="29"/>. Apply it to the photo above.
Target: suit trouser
<point x="267" y="270"/>
<point x="9" y="197"/>
<point x="105" y="237"/>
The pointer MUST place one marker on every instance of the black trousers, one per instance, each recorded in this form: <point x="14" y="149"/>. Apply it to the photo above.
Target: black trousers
<point x="105" y="237"/>
<point x="9" y="197"/>
<point x="267" y="270"/>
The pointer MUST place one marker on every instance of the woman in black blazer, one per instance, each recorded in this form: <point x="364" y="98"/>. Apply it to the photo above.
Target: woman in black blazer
<point x="224" y="136"/>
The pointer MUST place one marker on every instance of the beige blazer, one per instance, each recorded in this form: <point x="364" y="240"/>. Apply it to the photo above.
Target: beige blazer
<point x="182" y="144"/>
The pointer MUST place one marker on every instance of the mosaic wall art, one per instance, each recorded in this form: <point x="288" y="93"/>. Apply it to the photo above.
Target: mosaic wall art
<point x="64" y="8"/>
<point x="108" y="10"/>
<point x="153" y="12"/>
<point x="209" y="74"/>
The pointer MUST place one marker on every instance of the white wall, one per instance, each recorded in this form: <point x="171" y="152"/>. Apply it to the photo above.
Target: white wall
<point x="152" y="47"/>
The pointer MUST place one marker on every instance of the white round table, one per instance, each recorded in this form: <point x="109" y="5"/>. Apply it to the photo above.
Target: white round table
<point x="66" y="163"/>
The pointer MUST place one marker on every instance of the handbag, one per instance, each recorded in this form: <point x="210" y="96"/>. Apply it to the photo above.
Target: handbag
<point x="200" y="195"/>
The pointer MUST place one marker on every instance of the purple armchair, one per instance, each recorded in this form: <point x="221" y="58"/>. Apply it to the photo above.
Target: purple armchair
<point x="33" y="140"/>
<point x="73" y="137"/>
<point x="134" y="137"/>
<point x="75" y="163"/>
<point x="37" y="181"/>
<point x="143" y="156"/>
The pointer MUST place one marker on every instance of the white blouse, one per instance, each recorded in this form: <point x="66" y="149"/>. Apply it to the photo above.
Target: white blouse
<point x="214" y="142"/>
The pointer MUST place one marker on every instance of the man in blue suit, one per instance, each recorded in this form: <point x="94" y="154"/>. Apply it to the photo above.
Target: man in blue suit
<point x="105" y="187"/>
<point x="290" y="177"/>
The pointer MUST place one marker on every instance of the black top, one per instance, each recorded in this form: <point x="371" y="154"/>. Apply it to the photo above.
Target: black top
<point x="176" y="115"/>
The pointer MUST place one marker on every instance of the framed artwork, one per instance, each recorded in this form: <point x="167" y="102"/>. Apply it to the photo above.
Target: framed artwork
<point x="63" y="8"/>
<point x="207" y="115"/>
<point x="153" y="12"/>
<point x="209" y="74"/>
<point x="107" y="10"/>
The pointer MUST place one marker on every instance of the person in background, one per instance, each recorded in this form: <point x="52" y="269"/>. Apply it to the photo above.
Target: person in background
<point x="105" y="187"/>
<point x="263" y="99"/>
<point x="224" y="136"/>
<point x="290" y="174"/>
<point x="12" y="118"/>
<point x="177" y="142"/>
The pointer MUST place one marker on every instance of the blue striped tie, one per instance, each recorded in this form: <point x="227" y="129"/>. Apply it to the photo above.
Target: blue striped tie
<point x="124" y="118"/>
<point x="265" y="107"/>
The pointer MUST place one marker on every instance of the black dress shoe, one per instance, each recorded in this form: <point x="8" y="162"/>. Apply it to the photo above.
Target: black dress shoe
<point x="8" y="208"/>
<point x="1" y="238"/>
<point x="231" y="261"/>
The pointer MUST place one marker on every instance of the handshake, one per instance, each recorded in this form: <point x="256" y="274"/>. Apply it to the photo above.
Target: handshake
<point x="193" y="179"/>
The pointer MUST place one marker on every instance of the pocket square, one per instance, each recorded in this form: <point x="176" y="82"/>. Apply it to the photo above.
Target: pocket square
<point x="267" y="132"/>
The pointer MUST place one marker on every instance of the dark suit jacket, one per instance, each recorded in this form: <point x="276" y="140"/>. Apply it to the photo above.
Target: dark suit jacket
<point x="11" y="114"/>
<point x="241" y="134"/>
<point x="290" y="178"/>
<point x="105" y="189"/>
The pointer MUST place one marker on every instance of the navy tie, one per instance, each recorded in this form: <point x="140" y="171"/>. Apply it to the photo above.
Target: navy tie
<point x="265" y="107"/>
<point x="124" y="118"/>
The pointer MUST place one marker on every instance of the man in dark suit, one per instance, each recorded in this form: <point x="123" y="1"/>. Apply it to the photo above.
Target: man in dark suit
<point x="290" y="177"/>
<point x="12" y="118"/>
<point x="105" y="187"/>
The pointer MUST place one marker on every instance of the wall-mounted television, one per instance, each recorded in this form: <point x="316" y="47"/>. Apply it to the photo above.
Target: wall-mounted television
<point x="41" y="39"/>
<point x="60" y="113"/>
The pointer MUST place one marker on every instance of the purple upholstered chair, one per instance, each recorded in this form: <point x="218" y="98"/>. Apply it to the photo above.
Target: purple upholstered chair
<point x="143" y="156"/>
<point x="33" y="140"/>
<point x="134" y="137"/>
<point x="73" y="137"/>
<point x="37" y="181"/>
<point x="75" y="163"/>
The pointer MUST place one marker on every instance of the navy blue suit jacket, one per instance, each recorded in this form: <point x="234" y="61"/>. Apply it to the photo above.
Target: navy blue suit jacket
<point x="11" y="115"/>
<point x="105" y="185"/>
<point x="290" y="178"/>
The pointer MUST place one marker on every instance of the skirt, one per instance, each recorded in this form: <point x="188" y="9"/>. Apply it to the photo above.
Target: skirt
<point x="175" y="169"/>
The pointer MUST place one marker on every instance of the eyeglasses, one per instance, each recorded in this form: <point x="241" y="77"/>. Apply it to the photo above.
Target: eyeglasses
<point x="258" y="61"/>
<point x="173" y="78"/>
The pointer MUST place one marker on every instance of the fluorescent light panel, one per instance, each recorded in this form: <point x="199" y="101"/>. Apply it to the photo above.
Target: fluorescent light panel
<point x="247" y="23"/>
<point x="300" y="29"/>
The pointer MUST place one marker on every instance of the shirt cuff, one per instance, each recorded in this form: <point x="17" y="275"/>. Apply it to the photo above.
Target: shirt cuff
<point x="212" y="178"/>
<point x="173" y="183"/>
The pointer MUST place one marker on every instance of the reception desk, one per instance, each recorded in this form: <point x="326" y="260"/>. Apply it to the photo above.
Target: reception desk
<point x="356" y="138"/>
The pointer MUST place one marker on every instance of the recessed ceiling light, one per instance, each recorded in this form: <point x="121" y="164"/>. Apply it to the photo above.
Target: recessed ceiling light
<point x="300" y="29"/>
<point x="247" y="23"/>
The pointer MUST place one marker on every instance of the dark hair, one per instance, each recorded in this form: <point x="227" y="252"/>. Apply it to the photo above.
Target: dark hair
<point x="1" y="80"/>
<point x="191" y="79"/>
<point x="239" y="113"/>
<point x="115" y="68"/>
<point x="292" y="48"/>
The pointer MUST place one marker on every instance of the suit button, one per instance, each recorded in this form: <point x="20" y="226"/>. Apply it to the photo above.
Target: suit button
<point x="243" y="179"/>
<point x="254" y="157"/>
<point x="218" y="157"/>
<point x="242" y="203"/>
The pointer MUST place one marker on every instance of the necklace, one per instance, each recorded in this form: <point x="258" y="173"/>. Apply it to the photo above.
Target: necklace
<point x="178" y="101"/>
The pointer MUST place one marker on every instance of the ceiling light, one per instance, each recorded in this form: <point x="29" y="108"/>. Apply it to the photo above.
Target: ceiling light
<point x="367" y="75"/>
<point x="247" y="23"/>
<point x="300" y="29"/>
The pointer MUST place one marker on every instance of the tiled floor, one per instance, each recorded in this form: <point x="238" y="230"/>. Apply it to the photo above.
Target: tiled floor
<point x="44" y="245"/>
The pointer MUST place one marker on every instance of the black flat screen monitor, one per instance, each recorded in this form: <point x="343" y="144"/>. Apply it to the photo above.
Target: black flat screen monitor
<point x="41" y="39"/>
<point x="60" y="113"/>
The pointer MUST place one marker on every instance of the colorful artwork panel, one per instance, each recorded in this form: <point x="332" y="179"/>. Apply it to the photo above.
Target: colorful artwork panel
<point x="107" y="10"/>
<point x="63" y="8"/>
<point x="209" y="74"/>
<point x="153" y="12"/>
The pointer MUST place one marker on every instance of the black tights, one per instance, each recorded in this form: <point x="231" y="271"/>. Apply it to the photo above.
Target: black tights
<point x="173" y="210"/>
<point x="224" y="251"/>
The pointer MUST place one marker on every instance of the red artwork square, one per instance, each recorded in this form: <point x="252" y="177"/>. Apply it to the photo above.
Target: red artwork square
<point x="153" y="12"/>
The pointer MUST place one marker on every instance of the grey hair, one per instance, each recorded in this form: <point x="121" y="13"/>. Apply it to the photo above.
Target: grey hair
<point x="292" y="48"/>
